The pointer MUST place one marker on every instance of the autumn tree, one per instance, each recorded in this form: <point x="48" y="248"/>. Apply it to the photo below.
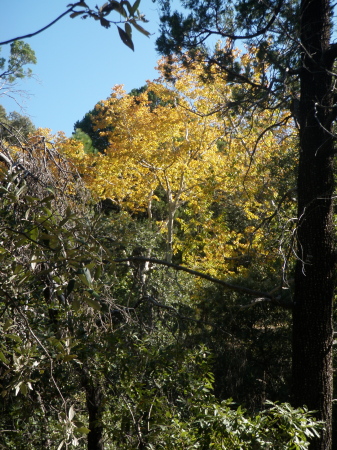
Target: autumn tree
<point x="95" y="139"/>
<point x="217" y="227"/>
<point x="85" y="357"/>
<point x="294" y="43"/>
<point x="186" y="149"/>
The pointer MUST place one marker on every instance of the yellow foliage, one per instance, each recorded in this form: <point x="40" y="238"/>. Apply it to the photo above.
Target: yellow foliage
<point x="203" y="151"/>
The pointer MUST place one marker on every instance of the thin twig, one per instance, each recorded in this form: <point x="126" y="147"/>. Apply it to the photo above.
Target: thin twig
<point x="46" y="352"/>
<point x="39" y="31"/>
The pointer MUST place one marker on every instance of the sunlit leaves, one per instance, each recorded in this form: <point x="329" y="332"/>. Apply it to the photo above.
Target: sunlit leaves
<point x="219" y="165"/>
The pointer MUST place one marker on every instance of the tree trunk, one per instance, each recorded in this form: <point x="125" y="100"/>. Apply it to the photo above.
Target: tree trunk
<point x="94" y="400"/>
<point x="170" y="223"/>
<point x="315" y="267"/>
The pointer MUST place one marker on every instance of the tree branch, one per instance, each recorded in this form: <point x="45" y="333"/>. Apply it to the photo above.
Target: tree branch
<point x="259" y="300"/>
<point x="253" y="35"/>
<point x="42" y="29"/>
<point x="265" y="295"/>
<point x="289" y="193"/>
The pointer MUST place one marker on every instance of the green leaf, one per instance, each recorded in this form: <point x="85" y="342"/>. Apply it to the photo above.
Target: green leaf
<point x="98" y="272"/>
<point x="70" y="287"/>
<point x="48" y="199"/>
<point x="8" y="323"/>
<point x="139" y="28"/>
<point x="95" y="305"/>
<point x="92" y="292"/>
<point x="125" y="38"/>
<point x="84" y="280"/>
<point x="128" y="5"/>
<point x="113" y="5"/>
<point x="33" y="233"/>
<point x="21" y="190"/>
<point x="83" y="430"/>
<point x="87" y="275"/>
<point x="64" y="221"/>
<point x="121" y="10"/>
<point x="18" y="268"/>
<point x="76" y="304"/>
<point x="30" y="199"/>
<point x="67" y="358"/>
<point x="135" y="6"/>
<point x="3" y="358"/>
<point x="14" y="337"/>
<point x="23" y="389"/>
<point x="76" y="13"/>
<point x="105" y="23"/>
<point x="128" y="30"/>
<point x="78" y="423"/>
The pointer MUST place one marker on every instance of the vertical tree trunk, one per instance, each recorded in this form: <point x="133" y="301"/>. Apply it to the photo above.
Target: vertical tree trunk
<point x="94" y="400"/>
<point x="315" y="267"/>
<point x="170" y="223"/>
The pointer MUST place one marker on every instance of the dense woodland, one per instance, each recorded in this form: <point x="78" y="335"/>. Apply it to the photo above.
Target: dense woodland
<point x="167" y="272"/>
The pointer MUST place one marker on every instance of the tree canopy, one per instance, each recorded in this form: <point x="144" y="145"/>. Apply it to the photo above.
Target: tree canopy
<point x="106" y="337"/>
<point x="297" y="55"/>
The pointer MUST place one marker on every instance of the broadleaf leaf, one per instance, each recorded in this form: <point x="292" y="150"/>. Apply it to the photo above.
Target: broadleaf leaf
<point x="126" y="39"/>
<point x="139" y="28"/>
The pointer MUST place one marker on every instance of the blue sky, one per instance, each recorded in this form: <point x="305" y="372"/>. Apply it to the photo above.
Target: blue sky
<point x="78" y="61"/>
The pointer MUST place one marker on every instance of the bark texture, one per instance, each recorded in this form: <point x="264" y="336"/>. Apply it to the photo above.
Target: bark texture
<point x="315" y="267"/>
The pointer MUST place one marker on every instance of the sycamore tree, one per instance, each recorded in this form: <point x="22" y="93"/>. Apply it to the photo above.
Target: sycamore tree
<point x="192" y="153"/>
<point x="294" y="42"/>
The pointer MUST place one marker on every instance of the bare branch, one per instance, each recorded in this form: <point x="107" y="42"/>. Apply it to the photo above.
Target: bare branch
<point x="288" y="194"/>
